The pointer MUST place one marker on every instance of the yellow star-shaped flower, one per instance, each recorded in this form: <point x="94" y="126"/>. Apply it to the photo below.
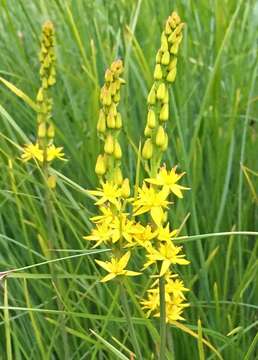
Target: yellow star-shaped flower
<point x="153" y="201"/>
<point x="116" y="267"/>
<point x="168" y="180"/>
<point x="32" y="151"/>
<point x="110" y="193"/>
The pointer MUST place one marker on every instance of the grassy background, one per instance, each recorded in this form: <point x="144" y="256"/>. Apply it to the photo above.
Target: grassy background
<point x="213" y="136"/>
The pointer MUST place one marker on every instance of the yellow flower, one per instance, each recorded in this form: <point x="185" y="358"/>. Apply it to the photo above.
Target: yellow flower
<point x="116" y="267"/>
<point x="176" y="287"/>
<point x="54" y="152"/>
<point x="101" y="233"/>
<point x="151" y="303"/>
<point x="164" y="234"/>
<point x="122" y="227"/>
<point x="142" y="235"/>
<point x="173" y="312"/>
<point x="32" y="151"/>
<point x="110" y="193"/>
<point x="168" y="180"/>
<point x="106" y="217"/>
<point x="153" y="201"/>
<point x="168" y="254"/>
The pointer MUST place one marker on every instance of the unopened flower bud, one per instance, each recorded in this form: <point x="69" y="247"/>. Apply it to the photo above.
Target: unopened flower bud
<point x="109" y="145"/>
<point x="160" y="136"/>
<point x="101" y="125"/>
<point x="172" y="75"/>
<point x="118" y="177"/>
<point x="165" y="145"/>
<point x="108" y="75"/>
<point x="100" y="167"/>
<point x="51" y="182"/>
<point x="125" y="189"/>
<point x="111" y="121"/>
<point x="42" y="130"/>
<point x="174" y="48"/>
<point x="147" y="131"/>
<point x="117" y="150"/>
<point x="164" y="113"/>
<point x="147" y="150"/>
<point x="161" y="92"/>
<point x="40" y="95"/>
<point x="51" y="131"/>
<point x="152" y="96"/>
<point x="151" y="119"/>
<point x="158" y="72"/>
<point x="172" y="63"/>
<point x="118" y="121"/>
<point x="158" y="57"/>
<point x="164" y="42"/>
<point x="165" y="58"/>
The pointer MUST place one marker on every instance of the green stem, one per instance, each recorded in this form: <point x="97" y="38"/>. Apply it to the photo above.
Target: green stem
<point x="130" y="323"/>
<point x="163" y="326"/>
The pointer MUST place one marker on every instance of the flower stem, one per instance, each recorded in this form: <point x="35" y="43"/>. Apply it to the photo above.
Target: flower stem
<point x="162" y="353"/>
<point x="130" y="323"/>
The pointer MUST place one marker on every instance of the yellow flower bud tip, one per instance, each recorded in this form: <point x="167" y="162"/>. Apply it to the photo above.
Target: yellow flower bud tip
<point x="175" y="17"/>
<point x="147" y="131"/>
<point x="118" y="121"/>
<point x="125" y="189"/>
<point x="48" y="27"/>
<point x="166" y="98"/>
<point x="172" y="75"/>
<point x="101" y="125"/>
<point x="164" y="42"/>
<point x="164" y="113"/>
<point x="108" y="75"/>
<point x="100" y="167"/>
<point x="147" y="150"/>
<point x="42" y="130"/>
<point x="51" y="131"/>
<point x="105" y="96"/>
<point x="165" y="58"/>
<point x="161" y="91"/>
<point x="109" y="145"/>
<point x="151" y="119"/>
<point x="161" y="136"/>
<point x="152" y="96"/>
<point x="117" y="150"/>
<point x="158" y="72"/>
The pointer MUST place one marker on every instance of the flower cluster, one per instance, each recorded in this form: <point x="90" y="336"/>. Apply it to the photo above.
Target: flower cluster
<point x="44" y="150"/>
<point x="109" y="124"/>
<point x="158" y="98"/>
<point x="120" y="224"/>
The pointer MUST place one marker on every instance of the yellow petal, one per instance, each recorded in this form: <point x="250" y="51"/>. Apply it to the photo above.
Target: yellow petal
<point x="108" y="277"/>
<point x="157" y="215"/>
<point x="164" y="267"/>
<point x="124" y="260"/>
<point x="104" y="265"/>
<point x="131" y="273"/>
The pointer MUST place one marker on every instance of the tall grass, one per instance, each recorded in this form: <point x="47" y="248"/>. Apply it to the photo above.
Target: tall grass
<point x="213" y="135"/>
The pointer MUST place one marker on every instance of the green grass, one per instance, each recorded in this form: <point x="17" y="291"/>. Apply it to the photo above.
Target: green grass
<point x="213" y="136"/>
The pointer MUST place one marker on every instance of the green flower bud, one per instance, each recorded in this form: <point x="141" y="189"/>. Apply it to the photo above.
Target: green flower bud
<point x="42" y="130"/>
<point x="51" y="131"/>
<point x="118" y="177"/>
<point x="151" y="119"/>
<point x="147" y="150"/>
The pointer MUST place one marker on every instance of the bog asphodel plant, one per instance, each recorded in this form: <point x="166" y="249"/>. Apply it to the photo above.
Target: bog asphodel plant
<point x="44" y="150"/>
<point x="119" y="224"/>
